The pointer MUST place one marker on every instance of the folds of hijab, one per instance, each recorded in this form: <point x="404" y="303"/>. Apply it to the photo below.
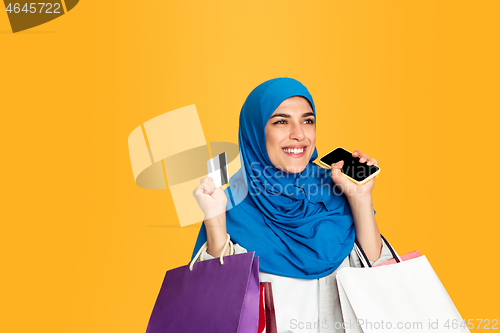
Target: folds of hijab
<point x="299" y="224"/>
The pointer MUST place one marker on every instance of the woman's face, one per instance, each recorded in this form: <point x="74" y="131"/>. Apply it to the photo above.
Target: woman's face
<point x="291" y="126"/>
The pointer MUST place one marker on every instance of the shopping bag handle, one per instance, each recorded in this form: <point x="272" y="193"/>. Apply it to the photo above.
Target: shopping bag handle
<point x="364" y="259"/>
<point x="204" y="247"/>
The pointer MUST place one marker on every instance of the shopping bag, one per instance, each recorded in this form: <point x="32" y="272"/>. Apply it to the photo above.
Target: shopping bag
<point x="406" y="256"/>
<point x="403" y="297"/>
<point x="213" y="297"/>
<point x="262" y="310"/>
<point x="267" y="315"/>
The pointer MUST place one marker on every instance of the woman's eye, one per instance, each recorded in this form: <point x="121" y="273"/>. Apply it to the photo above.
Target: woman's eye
<point x="283" y="121"/>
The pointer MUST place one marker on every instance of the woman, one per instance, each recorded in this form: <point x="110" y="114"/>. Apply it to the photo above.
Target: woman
<point x="300" y="219"/>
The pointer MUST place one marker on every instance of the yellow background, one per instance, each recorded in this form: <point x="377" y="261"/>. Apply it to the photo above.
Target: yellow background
<point x="413" y="84"/>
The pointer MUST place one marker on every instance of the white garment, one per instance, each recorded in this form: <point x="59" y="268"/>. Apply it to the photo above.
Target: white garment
<point x="308" y="305"/>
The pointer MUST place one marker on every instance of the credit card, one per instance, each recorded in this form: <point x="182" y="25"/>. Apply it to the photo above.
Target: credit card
<point x="217" y="169"/>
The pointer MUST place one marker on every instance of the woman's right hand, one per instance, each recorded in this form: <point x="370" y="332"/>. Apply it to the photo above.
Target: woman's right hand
<point x="211" y="199"/>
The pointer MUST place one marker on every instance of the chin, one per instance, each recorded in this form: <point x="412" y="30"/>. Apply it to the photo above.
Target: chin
<point x="295" y="169"/>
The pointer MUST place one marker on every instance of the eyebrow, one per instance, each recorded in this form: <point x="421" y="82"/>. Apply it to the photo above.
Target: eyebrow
<point x="284" y="115"/>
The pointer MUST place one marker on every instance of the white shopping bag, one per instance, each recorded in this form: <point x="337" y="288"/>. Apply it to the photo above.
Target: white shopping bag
<point x="403" y="297"/>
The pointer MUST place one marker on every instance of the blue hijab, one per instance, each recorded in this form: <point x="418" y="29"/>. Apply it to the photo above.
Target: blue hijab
<point x="299" y="224"/>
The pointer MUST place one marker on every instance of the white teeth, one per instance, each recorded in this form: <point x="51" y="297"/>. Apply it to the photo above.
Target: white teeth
<point x="294" y="151"/>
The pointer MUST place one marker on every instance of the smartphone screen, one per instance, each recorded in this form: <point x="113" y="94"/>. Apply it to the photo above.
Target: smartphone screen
<point x="352" y="167"/>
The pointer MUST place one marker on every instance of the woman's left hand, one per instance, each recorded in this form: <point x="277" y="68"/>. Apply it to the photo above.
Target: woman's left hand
<point x="349" y="188"/>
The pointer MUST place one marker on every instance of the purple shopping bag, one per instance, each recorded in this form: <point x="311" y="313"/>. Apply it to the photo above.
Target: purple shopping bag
<point x="212" y="298"/>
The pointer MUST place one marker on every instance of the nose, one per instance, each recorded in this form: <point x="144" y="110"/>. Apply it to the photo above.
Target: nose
<point x="297" y="132"/>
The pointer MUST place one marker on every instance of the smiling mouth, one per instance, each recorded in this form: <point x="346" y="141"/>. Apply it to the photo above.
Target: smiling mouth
<point x="294" y="152"/>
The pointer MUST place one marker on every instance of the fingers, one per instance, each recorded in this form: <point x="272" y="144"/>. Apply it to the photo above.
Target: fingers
<point x="338" y="165"/>
<point x="207" y="186"/>
<point x="209" y="181"/>
<point x="338" y="178"/>
<point x="336" y="168"/>
<point x="197" y="192"/>
<point x="364" y="158"/>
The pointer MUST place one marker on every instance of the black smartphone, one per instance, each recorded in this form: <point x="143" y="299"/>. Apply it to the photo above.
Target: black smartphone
<point x="356" y="171"/>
